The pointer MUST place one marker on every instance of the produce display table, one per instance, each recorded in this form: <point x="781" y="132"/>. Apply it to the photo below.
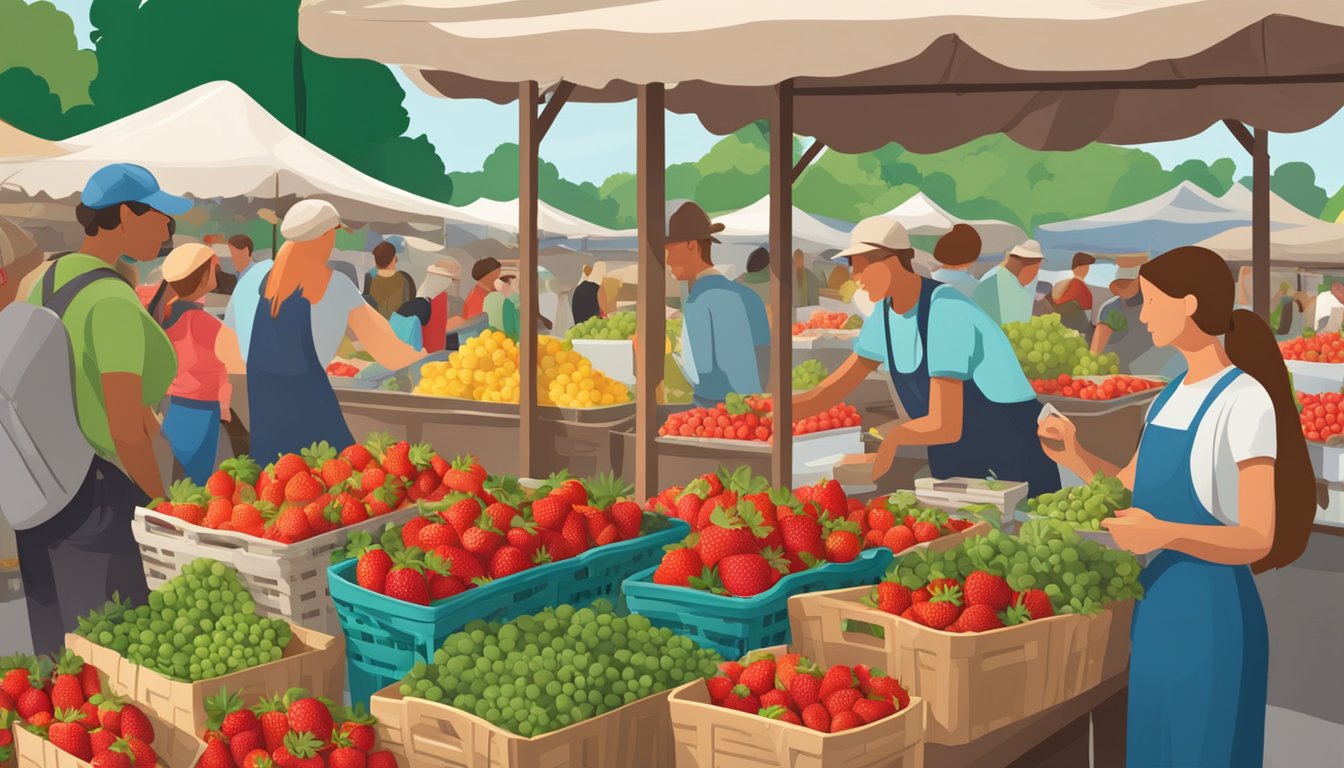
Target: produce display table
<point x="1055" y="738"/>
<point x="814" y="455"/>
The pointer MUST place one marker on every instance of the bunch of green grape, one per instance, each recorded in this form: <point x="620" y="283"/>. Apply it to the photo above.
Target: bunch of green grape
<point x="1083" y="506"/>
<point x="1046" y="348"/>
<point x="562" y="666"/>
<point x="617" y="326"/>
<point x="808" y="375"/>
<point x="1079" y="575"/>
<point x="200" y="625"/>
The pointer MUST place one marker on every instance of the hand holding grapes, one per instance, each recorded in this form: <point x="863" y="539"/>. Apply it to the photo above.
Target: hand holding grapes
<point x="1137" y="531"/>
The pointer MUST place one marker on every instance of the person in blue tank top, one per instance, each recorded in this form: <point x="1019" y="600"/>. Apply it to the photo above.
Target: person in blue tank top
<point x="952" y="367"/>
<point x="1223" y="487"/>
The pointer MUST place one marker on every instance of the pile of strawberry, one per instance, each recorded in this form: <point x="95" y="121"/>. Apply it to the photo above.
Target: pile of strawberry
<point x="317" y="490"/>
<point x="469" y="539"/>
<point x="897" y="522"/>
<point x="291" y="731"/>
<point x="1322" y="415"/>
<point x="793" y="689"/>
<point x="342" y="369"/>
<point x="1085" y="389"/>
<point x="65" y="704"/>
<point x="746" y="536"/>
<point x="749" y="418"/>
<point x="822" y="319"/>
<point x="1314" y="348"/>
<point x="981" y="603"/>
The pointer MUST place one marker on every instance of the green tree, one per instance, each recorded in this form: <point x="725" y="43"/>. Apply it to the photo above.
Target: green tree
<point x="39" y="37"/>
<point x="351" y="108"/>
<point x="28" y="104"/>
<point x="1334" y="207"/>
<point x="1296" y="183"/>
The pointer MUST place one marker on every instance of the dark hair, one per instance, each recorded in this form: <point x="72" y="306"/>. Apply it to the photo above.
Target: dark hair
<point x="758" y="260"/>
<point x="189" y="284"/>
<point x="383" y="254"/>
<point x="241" y="242"/>
<point x="94" y="220"/>
<point x="507" y="278"/>
<point x="1199" y="272"/>
<point x="1081" y="259"/>
<point x="419" y="308"/>
<point x="484" y="267"/>
<point x="958" y="247"/>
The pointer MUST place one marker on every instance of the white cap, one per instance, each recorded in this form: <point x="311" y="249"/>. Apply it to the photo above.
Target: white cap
<point x="186" y="259"/>
<point x="309" y="220"/>
<point x="875" y="233"/>
<point x="1030" y="250"/>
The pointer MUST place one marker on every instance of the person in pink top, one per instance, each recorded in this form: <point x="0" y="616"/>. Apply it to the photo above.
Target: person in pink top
<point x="199" y="395"/>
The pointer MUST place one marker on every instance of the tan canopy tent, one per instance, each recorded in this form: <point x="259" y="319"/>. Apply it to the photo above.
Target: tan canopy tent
<point x="854" y="74"/>
<point x="17" y="143"/>
<point x="1319" y="244"/>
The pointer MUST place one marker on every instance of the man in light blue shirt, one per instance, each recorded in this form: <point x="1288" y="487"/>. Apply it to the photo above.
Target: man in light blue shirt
<point x="1007" y="294"/>
<point x="725" y="331"/>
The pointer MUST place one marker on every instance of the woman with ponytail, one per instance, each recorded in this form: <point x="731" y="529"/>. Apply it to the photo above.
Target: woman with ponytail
<point x="1222" y="488"/>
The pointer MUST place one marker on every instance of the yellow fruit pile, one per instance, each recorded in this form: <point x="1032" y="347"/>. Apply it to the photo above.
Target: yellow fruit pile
<point x="486" y="369"/>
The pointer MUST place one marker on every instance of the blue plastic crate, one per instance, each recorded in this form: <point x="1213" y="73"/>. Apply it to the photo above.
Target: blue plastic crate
<point x="384" y="637"/>
<point x="734" y="626"/>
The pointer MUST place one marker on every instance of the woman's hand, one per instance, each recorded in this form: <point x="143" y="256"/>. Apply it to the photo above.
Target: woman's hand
<point x="1059" y="438"/>
<point x="885" y="456"/>
<point x="1137" y="531"/>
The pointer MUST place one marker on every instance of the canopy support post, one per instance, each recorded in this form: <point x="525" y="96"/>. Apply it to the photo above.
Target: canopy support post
<point x="809" y="155"/>
<point x="528" y="141"/>
<point x="275" y="228"/>
<point x="651" y="310"/>
<point x="557" y="100"/>
<point x="1260" y="224"/>
<point x="1242" y="134"/>
<point x="781" y="283"/>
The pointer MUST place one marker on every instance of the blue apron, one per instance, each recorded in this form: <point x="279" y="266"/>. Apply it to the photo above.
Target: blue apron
<point x="1199" y="662"/>
<point x="291" y="400"/>
<point x="994" y="436"/>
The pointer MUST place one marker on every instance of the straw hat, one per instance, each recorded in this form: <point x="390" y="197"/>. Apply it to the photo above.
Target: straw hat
<point x="185" y="259"/>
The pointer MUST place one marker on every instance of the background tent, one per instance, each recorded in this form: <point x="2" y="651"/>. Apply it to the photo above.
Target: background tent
<point x="555" y="227"/>
<point x="214" y="141"/>
<point x="752" y="223"/>
<point x="1318" y="243"/>
<point x="924" y="218"/>
<point x="16" y="143"/>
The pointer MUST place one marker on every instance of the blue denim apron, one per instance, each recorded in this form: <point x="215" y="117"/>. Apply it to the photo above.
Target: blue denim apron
<point x="1199" y="661"/>
<point x="994" y="436"/>
<point x="291" y="400"/>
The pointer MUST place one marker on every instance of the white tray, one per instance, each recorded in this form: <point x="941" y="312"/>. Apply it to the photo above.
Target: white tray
<point x="1316" y="378"/>
<point x="615" y="358"/>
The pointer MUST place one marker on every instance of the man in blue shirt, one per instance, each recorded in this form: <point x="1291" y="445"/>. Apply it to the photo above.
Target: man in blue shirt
<point x="725" y="333"/>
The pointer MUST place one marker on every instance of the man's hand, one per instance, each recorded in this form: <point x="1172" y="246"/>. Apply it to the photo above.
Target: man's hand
<point x="885" y="456"/>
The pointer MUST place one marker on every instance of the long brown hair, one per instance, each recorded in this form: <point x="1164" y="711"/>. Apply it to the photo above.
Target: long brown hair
<point x="1251" y="346"/>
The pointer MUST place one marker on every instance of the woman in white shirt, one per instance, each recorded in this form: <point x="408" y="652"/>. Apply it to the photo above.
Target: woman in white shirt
<point x="1222" y="486"/>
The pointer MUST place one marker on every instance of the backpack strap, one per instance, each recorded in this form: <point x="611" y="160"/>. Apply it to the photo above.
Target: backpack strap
<point x="58" y="301"/>
<point x="153" y="306"/>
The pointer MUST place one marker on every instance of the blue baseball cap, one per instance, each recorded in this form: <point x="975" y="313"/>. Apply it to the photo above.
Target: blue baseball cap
<point x="129" y="183"/>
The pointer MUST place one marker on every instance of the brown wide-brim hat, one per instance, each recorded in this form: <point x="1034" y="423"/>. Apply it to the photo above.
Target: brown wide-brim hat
<point x="691" y="223"/>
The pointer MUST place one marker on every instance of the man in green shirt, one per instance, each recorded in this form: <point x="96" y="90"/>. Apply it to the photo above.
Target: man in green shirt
<point x="123" y="363"/>
<point x="1008" y="293"/>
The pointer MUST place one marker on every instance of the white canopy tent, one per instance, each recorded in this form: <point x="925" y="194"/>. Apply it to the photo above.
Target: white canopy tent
<point x="214" y="141"/>
<point x="921" y="216"/>
<point x="1315" y="244"/>
<point x="752" y="223"/>
<point x="15" y="143"/>
<point x="554" y="225"/>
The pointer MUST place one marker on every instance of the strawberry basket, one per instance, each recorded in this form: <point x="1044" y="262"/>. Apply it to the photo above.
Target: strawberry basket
<point x="385" y="637"/>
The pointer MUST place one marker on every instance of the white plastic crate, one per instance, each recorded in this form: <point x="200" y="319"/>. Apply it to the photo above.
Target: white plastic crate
<point x="615" y="358"/>
<point x="1316" y="378"/>
<point x="1327" y="460"/>
<point x="288" y="581"/>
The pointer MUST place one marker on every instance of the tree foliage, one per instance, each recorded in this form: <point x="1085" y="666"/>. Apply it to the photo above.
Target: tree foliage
<point x="40" y="38"/>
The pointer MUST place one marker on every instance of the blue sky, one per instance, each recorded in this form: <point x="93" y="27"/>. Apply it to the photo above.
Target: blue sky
<point x="589" y="142"/>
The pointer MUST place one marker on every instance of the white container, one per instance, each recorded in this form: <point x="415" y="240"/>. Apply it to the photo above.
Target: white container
<point x="1316" y="378"/>
<point x="1327" y="460"/>
<point x="614" y="358"/>
<point x="954" y="493"/>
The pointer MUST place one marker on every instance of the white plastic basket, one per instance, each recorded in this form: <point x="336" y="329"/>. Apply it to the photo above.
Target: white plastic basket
<point x="1316" y="378"/>
<point x="614" y="358"/>
<point x="288" y="581"/>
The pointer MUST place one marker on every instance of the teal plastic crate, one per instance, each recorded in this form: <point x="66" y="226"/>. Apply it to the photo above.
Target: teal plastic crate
<point x="734" y="626"/>
<point x="384" y="637"/>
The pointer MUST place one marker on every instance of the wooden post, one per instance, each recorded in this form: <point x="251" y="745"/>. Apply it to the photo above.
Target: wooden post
<point x="781" y="283"/>
<point x="1260" y="224"/>
<point x="651" y="310"/>
<point x="528" y="99"/>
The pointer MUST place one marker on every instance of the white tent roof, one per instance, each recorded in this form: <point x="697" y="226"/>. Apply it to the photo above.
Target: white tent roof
<point x="552" y="222"/>
<point x="16" y="143"/>
<point x="753" y="223"/>
<point x="215" y="141"/>
<point x="1317" y="243"/>
<point x="922" y="217"/>
<point x="921" y="54"/>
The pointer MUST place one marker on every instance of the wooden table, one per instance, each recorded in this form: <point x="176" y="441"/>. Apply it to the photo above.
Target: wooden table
<point x="1061" y="737"/>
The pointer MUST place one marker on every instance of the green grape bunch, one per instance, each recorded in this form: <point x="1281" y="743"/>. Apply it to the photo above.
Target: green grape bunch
<point x="543" y="672"/>
<point x="808" y="375"/>
<point x="200" y="625"/>
<point x="614" y="327"/>
<point x="1046" y="349"/>
<point x="1083" y="506"/>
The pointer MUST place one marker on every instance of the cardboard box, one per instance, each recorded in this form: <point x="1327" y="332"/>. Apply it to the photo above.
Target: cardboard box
<point x="312" y="660"/>
<point x="709" y="736"/>
<point x="425" y="734"/>
<point x="954" y="493"/>
<point x="972" y="683"/>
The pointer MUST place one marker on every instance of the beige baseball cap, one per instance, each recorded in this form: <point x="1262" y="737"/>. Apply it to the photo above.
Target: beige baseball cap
<point x="185" y="259"/>
<point x="310" y="219"/>
<point x="1030" y="251"/>
<point x="875" y="233"/>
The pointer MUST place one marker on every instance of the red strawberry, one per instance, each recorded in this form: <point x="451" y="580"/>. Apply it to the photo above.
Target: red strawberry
<point x="841" y="700"/>
<point x="410" y="531"/>
<point x="759" y="675"/>
<point x="372" y="478"/>
<point x="775" y="697"/>
<point x="678" y="566"/>
<point x="501" y="515"/>
<point x="628" y="518"/>
<point x="941" y="610"/>
<point x="979" y="618"/>
<point x="346" y="757"/>
<point x="134" y="723"/>
<point x="729" y="534"/>
<point x="779" y="712"/>
<point x="507" y="561"/>
<point x="575" y="532"/>
<point x="406" y="582"/>
<point x="218" y="512"/>
<point x="845" y="721"/>
<point x="750" y="574"/>
<point x="372" y="569"/>
<point x="462" y="476"/>
<point x="925" y="531"/>
<point x="889" y="688"/>
<point x="892" y="598"/>
<point x="463" y="512"/>
<point x="842" y="546"/>
<point x="551" y="511"/>
<point x="742" y="699"/>
<point x="397" y="459"/>
<point x="335" y="472"/>
<point x="216" y="755"/>
<point x="805" y="686"/>
<point x="292" y="524"/>
<point x="352" y="509"/>
<point x="719" y="688"/>
<point x="100" y="740"/>
<point x="872" y="710"/>
<point x="483" y="538"/>
<point x="19" y="678"/>
<point x="802" y="533"/>
<point x="461" y="563"/>
<point x="899" y="538"/>
<point x="435" y="534"/>
<point x="726" y="500"/>
<point x="688" y="509"/>
<point x="111" y="760"/>
<point x="983" y="588"/>
<point x="360" y="733"/>
<point x="523" y="536"/>
<point x="274" y="724"/>
<point x="837" y="678"/>
<point x="357" y="456"/>
<point x="69" y="736"/>
<point x="732" y="670"/>
<point x="832" y="498"/>
<point x="289" y="466"/>
<point x="1036" y="602"/>
<point x="310" y="716"/>
<point x="66" y="690"/>
<point x="595" y="519"/>
<point x="299" y="750"/>
<point x="713" y="482"/>
<point x="383" y="759"/>
<point x="881" y="520"/>
<point x="32" y="701"/>
<point x="302" y="488"/>
<point x="243" y="744"/>
<point x="817" y="718"/>
<point x="920" y="595"/>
